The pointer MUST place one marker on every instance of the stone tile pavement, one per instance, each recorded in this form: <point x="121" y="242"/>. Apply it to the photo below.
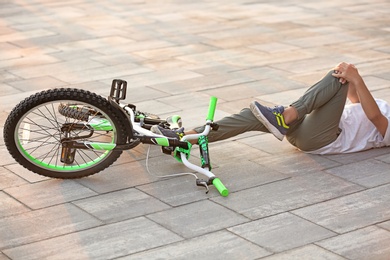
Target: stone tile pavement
<point x="175" y="54"/>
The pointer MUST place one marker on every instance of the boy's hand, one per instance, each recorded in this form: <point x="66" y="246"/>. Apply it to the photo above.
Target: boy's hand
<point x="346" y="72"/>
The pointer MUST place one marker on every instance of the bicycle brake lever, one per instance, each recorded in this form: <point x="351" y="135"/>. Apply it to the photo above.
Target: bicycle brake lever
<point x="202" y="183"/>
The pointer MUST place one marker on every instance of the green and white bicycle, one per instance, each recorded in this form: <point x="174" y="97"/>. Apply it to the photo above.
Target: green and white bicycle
<point x="72" y="133"/>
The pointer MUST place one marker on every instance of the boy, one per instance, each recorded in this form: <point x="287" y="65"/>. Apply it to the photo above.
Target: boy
<point x="318" y="122"/>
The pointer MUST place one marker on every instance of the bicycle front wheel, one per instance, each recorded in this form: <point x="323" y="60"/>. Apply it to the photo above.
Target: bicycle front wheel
<point x="36" y="133"/>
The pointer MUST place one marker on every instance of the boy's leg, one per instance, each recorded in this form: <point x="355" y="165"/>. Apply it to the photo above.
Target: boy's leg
<point x="234" y="125"/>
<point x="319" y="112"/>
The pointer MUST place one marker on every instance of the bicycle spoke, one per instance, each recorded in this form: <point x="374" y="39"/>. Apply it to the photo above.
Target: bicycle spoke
<point x="41" y="132"/>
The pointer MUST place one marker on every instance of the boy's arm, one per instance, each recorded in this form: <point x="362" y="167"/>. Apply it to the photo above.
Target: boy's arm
<point x="349" y="73"/>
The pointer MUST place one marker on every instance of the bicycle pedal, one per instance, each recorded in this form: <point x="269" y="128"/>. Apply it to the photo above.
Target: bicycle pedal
<point x="118" y="90"/>
<point x="68" y="155"/>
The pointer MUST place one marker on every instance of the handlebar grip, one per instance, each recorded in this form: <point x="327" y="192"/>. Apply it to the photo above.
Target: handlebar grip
<point x="220" y="187"/>
<point x="212" y="106"/>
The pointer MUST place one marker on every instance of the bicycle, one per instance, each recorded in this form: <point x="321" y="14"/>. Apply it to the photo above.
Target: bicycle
<point x="70" y="133"/>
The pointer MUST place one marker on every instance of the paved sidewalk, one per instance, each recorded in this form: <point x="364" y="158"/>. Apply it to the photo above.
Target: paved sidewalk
<point x="175" y="54"/>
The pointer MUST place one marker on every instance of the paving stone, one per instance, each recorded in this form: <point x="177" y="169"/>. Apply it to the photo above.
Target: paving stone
<point x="246" y="175"/>
<point x="233" y="107"/>
<point x="136" y="46"/>
<point x="37" y="84"/>
<point x="178" y="191"/>
<point x="121" y="205"/>
<point x="8" y="77"/>
<point x="307" y="78"/>
<point x="97" y="87"/>
<point x="9" y="51"/>
<point x="201" y="83"/>
<point x="11" y="37"/>
<point x="170" y="52"/>
<point x="27" y="175"/>
<point x="274" y="47"/>
<point x="228" y="151"/>
<point x="75" y="54"/>
<point x="285" y="195"/>
<point x="50" y="40"/>
<point x="166" y="64"/>
<point x="112" y="60"/>
<point x="385" y="225"/>
<point x="157" y="77"/>
<point x="262" y="59"/>
<point x="350" y="212"/>
<point x="8" y="179"/>
<point x="141" y="94"/>
<point x="316" y="40"/>
<point x="9" y="102"/>
<point x="118" y="177"/>
<point x="383" y="94"/>
<point x="275" y="98"/>
<point x="8" y="90"/>
<point x="377" y="68"/>
<point x="219" y="245"/>
<point x="306" y="252"/>
<point x="93" y="43"/>
<point x="367" y="243"/>
<point x="33" y="59"/>
<point x="185" y="101"/>
<point x="247" y="90"/>
<point x="56" y="69"/>
<point x="9" y="206"/>
<point x="43" y="224"/>
<point x="296" y="163"/>
<point x="349" y="158"/>
<point x="7" y="158"/>
<point x="157" y="107"/>
<point x="281" y="232"/>
<point x="106" y="242"/>
<point x="49" y="193"/>
<point x="367" y="173"/>
<point x="106" y="72"/>
<point x="266" y="142"/>
<point x="238" y="32"/>
<point x="212" y="56"/>
<point x="197" y="218"/>
<point x="3" y="257"/>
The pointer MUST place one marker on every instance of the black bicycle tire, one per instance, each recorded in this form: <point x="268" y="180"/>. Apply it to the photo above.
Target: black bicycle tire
<point x="56" y="95"/>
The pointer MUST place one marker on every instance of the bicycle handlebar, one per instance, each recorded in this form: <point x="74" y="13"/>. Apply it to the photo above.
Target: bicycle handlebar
<point x="183" y="156"/>
<point x="220" y="187"/>
<point x="212" y="106"/>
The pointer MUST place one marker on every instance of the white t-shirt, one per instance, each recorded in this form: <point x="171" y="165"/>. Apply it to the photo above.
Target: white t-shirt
<point x="358" y="132"/>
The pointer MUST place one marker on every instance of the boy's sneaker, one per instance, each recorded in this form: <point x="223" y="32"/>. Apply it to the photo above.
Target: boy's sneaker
<point x="272" y="118"/>
<point x="171" y="133"/>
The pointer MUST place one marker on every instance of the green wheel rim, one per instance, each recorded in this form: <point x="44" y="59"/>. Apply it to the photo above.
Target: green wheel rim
<point x="45" y="151"/>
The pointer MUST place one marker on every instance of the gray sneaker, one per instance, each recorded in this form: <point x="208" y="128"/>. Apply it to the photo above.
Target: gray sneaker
<point x="272" y="118"/>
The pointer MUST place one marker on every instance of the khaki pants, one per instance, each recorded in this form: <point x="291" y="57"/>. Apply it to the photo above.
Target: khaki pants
<point x="319" y="112"/>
